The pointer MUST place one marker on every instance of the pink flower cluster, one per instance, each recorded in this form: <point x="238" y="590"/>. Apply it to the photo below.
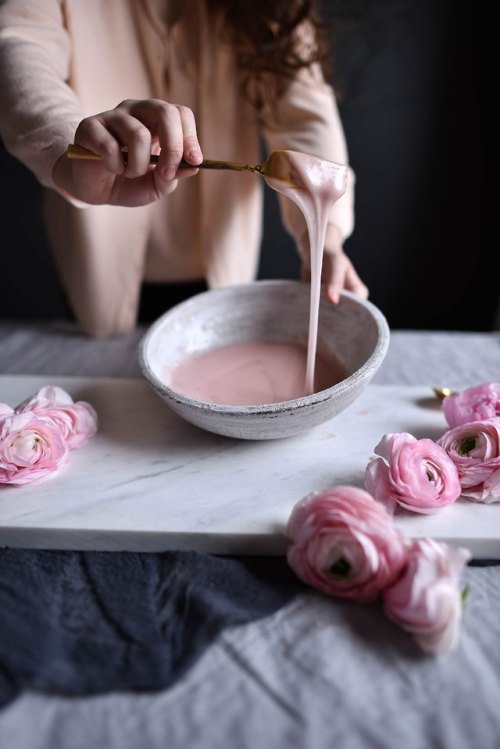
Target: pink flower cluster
<point x="36" y="437"/>
<point x="423" y="476"/>
<point x="345" y="544"/>
<point x="344" y="541"/>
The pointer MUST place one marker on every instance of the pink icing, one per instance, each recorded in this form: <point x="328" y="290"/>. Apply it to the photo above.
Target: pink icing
<point x="250" y="373"/>
<point x="256" y="372"/>
<point x="314" y="185"/>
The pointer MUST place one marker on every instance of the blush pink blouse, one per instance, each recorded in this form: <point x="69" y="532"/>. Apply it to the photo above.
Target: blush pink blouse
<point x="63" y="60"/>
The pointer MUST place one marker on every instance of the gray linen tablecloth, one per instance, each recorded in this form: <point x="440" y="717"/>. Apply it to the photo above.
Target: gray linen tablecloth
<point x="318" y="673"/>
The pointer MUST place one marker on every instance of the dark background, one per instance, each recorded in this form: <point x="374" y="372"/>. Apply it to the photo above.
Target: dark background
<point x="411" y="80"/>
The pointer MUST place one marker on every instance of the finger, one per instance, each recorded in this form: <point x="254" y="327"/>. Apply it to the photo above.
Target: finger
<point x="192" y="151"/>
<point x="171" y="138"/>
<point x="178" y="139"/>
<point x="173" y="129"/>
<point x="135" y="137"/>
<point x="164" y="123"/>
<point x="333" y="290"/>
<point x="334" y="271"/>
<point x="191" y="147"/>
<point x="92" y="133"/>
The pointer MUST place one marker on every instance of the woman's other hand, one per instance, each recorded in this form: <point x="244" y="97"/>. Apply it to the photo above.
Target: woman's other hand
<point x="338" y="272"/>
<point x="141" y="128"/>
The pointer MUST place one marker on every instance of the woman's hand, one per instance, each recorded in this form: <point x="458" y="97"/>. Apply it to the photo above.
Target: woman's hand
<point x="141" y="128"/>
<point x="337" y="272"/>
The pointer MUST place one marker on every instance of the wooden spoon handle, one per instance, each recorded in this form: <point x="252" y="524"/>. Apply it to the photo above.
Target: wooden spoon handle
<point x="78" y="152"/>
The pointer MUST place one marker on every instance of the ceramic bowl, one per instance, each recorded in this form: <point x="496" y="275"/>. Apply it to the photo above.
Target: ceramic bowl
<point x="355" y="332"/>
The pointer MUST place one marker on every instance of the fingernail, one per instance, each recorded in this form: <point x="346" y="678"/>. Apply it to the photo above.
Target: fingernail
<point x="195" y="156"/>
<point x="333" y="294"/>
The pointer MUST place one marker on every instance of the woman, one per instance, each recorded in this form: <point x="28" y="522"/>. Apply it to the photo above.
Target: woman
<point x="221" y="74"/>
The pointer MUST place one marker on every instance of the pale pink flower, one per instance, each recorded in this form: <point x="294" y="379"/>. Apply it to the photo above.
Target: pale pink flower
<point x="474" y="404"/>
<point x="77" y="421"/>
<point x="5" y="410"/>
<point x="475" y="450"/>
<point x="415" y="474"/>
<point x="30" y="448"/>
<point x="426" y="600"/>
<point x="345" y="544"/>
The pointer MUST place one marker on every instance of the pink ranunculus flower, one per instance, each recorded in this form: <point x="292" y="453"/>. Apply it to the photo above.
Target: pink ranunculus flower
<point x="415" y="474"/>
<point x="474" y="404"/>
<point x="5" y="410"/>
<point x="345" y="544"/>
<point x="426" y="599"/>
<point x="77" y="421"/>
<point x="475" y="450"/>
<point x="30" y="448"/>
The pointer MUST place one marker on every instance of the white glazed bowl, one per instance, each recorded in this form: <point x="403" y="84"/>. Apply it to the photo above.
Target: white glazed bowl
<point x="355" y="332"/>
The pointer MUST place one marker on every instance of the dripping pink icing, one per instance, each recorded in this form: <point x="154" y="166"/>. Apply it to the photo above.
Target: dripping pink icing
<point x="314" y="185"/>
<point x="256" y="372"/>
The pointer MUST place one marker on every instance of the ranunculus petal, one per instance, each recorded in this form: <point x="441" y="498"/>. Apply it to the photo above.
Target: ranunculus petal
<point x="5" y="410"/>
<point x="474" y="404"/>
<point x="49" y="395"/>
<point x="30" y="449"/>
<point x="344" y="543"/>
<point x="377" y="483"/>
<point x="426" y="599"/>
<point x="36" y="436"/>
<point x="77" y="421"/>
<point x="474" y="448"/>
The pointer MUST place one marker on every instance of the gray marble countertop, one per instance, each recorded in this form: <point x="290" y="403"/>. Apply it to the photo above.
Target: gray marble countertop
<point x="184" y="476"/>
<point x="452" y="359"/>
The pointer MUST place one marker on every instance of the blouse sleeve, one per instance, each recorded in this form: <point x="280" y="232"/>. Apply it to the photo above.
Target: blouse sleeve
<point x="39" y="112"/>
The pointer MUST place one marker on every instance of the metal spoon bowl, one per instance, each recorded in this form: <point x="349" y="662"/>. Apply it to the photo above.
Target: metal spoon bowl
<point x="442" y="393"/>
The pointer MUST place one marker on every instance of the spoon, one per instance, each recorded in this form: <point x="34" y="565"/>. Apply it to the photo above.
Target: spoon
<point x="442" y="393"/>
<point x="275" y="166"/>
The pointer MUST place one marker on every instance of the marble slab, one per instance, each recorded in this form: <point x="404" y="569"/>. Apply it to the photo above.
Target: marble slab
<point x="151" y="482"/>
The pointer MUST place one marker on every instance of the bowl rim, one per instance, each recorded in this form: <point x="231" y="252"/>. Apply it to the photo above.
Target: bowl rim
<point x="305" y="401"/>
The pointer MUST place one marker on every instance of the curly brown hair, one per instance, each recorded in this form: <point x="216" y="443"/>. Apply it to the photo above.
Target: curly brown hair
<point x="264" y="34"/>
